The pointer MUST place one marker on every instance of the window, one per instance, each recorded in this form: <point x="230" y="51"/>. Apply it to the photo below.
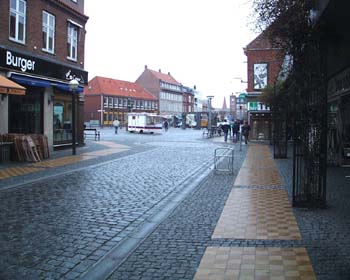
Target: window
<point x="18" y="20"/>
<point x="105" y="102"/>
<point x="48" y="32"/>
<point x="72" y="41"/>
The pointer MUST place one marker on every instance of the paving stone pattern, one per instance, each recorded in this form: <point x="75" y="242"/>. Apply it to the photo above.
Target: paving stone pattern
<point x="58" y="228"/>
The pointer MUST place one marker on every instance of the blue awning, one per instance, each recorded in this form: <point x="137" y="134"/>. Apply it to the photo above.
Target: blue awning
<point x="25" y="80"/>
<point x="65" y="87"/>
<point x="30" y="81"/>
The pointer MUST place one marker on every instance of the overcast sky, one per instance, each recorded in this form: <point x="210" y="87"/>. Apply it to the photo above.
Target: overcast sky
<point x="200" y="42"/>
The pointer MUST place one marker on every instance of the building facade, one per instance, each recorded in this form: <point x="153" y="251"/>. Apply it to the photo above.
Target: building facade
<point x="332" y="18"/>
<point x="174" y="99"/>
<point x="263" y="65"/>
<point x="109" y="99"/>
<point x="42" y="49"/>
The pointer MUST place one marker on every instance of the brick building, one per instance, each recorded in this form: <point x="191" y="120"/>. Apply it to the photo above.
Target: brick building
<point x="109" y="99"/>
<point x="174" y="99"/>
<point x="264" y="64"/>
<point x="42" y="49"/>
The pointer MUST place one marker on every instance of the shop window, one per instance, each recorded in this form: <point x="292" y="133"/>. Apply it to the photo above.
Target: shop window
<point x="62" y="119"/>
<point x="25" y="112"/>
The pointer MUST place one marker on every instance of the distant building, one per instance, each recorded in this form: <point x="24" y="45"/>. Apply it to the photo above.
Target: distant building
<point x="238" y="107"/>
<point x="264" y="64"/>
<point x="108" y="99"/>
<point x="42" y="44"/>
<point x="174" y="98"/>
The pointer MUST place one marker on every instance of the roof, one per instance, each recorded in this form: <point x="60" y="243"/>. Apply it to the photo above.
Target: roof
<point x="260" y="42"/>
<point x="263" y="42"/>
<point x="164" y="77"/>
<point x="108" y="86"/>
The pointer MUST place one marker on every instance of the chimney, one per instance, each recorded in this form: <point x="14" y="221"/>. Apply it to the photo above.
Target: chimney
<point x="160" y="70"/>
<point x="194" y="87"/>
<point x="145" y="67"/>
<point x="169" y="73"/>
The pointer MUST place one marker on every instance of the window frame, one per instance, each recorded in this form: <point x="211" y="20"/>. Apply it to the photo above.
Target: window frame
<point x="18" y="14"/>
<point x="72" y="41"/>
<point x="48" y="29"/>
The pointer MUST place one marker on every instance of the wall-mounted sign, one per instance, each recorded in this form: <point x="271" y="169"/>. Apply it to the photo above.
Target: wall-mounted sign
<point x="252" y="106"/>
<point x="260" y="75"/>
<point x="24" y="63"/>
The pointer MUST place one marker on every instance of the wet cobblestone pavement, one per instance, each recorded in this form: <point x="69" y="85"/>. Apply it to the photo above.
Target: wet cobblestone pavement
<point x="61" y="227"/>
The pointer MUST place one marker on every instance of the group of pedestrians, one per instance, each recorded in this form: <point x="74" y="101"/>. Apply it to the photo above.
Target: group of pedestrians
<point x="236" y="128"/>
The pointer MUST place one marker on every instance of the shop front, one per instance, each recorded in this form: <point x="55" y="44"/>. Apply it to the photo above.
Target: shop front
<point x="46" y="107"/>
<point x="339" y="119"/>
<point x="259" y="118"/>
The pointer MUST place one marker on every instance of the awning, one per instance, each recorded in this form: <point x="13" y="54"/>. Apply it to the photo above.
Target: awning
<point x="32" y="81"/>
<point x="9" y="87"/>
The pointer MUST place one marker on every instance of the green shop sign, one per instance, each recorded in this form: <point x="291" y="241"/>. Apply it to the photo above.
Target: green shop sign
<point x="253" y="106"/>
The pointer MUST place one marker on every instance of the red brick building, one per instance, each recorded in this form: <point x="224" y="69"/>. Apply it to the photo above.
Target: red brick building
<point x="264" y="64"/>
<point x="109" y="99"/>
<point x="174" y="98"/>
<point x="42" y="49"/>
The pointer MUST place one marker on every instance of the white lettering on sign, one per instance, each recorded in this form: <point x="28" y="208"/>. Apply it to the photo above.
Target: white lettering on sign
<point x="20" y="62"/>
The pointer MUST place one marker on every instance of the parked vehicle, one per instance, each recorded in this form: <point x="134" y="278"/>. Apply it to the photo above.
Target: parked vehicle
<point x="144" y="122"/>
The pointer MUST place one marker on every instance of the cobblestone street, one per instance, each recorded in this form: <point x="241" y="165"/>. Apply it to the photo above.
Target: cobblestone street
<point x="60" y="226"/>
<point x="135" y="206"/>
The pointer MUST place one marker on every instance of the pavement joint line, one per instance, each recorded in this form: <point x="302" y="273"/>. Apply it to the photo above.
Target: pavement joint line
<point x="31" y="181"/>
<point x="105" y="267"/>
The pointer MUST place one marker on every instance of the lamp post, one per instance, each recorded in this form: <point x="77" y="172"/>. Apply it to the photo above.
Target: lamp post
<point x="73" y="86"/>
<point x="210" y="97"/>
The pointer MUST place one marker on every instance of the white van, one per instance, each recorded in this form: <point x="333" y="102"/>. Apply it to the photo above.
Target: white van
<point x="144" y="122"/>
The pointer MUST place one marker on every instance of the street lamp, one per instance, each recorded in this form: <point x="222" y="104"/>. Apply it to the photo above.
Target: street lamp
<point x="73" y="86"/>
<point x="210" y="97"/>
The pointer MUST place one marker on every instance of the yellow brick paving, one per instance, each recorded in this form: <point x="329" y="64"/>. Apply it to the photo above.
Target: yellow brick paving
<point x="258" y="168"/>
<point x="52" y="163"/>
<point x="252" y="263"/>
<point x="256" y="214"/>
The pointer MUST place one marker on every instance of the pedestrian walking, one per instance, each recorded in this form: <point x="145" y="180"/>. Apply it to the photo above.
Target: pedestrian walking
<point x="225" y="128"/>
<point x="245" y="132"/>
<point x="166" y="125"/>
<point x="116" y="125"/>
<point x="235" y="131"/>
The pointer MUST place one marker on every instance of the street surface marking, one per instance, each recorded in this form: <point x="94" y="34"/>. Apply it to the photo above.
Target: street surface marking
<point x="112" y="145"/>
<point x="257" y="214"/>
<point x="255" y="263"/>
<point x="17" y="171"/>
<point x="113" y="148"/>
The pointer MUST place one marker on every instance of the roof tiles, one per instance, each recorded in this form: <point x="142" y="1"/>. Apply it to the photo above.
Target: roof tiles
<point x="108" y="86"/>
